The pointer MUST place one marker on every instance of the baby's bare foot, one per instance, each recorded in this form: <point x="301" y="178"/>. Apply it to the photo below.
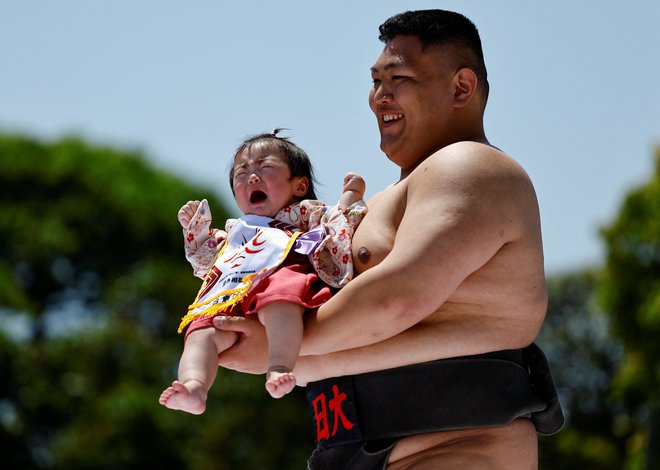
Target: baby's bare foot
<point x="280" y="382"/>
<point x="189" y="397"/>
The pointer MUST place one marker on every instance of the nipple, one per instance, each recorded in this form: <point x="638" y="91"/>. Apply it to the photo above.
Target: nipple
<point x="364" y="254"/>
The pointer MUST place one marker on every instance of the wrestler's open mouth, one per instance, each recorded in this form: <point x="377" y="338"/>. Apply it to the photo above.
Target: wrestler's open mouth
<point x="257" y="196"/>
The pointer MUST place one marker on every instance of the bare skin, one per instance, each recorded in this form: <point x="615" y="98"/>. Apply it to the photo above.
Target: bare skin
<point x="197" y="370"/>
<point x="449" y="258"/>
<point x="283" y="322"/>
<point x="279" y="381"/>
<point x="501" y="448"/>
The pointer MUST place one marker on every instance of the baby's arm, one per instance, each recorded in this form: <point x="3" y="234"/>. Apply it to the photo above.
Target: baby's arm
<point x="332" y="258"/>
<point x="354" y="187"/>
<point x="201" y="242"/>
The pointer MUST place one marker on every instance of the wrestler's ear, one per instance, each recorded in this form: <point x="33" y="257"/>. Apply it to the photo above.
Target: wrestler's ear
<point x="300" y="186"/>
<point x="465" y="86"/>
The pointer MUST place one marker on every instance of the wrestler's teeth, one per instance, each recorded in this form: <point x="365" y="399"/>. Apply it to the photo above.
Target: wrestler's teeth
<point x="392" y="117"/>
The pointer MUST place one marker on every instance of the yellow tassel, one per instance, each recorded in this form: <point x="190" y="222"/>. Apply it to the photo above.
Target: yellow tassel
<point x="237" y="294"/>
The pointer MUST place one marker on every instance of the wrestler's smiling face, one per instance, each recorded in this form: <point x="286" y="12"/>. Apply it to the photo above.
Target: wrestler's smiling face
<point x="411" y="97"/>
<point x="262" y="181"/>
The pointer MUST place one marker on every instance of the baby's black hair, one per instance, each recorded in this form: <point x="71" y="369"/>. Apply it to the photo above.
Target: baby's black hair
<point x="297" y="159"/>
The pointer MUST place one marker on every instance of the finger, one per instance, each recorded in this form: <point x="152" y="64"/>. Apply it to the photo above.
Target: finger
<point x="184" y="219"/>
<point x="229" y="323"/>
<point x="225" y="360"/>
<point x="182" y="214"/>
<point x="236" y="358"/>
<point x="187" y="212"/>
<point x="191" y="207"/>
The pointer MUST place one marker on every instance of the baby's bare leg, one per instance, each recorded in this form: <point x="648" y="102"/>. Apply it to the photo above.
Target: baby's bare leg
<point x="354" y="187"/>
<point x="197" y="370"/>
<point x="284" y="327"/>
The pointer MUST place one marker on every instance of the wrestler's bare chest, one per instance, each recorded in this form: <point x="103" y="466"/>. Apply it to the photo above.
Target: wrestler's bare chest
<point x="511" y="282"/>
<point x="374" y="238"/>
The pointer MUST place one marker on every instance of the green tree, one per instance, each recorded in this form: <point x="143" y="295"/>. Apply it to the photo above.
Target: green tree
<point x="630" y="291"/>
<point x="92" y="284"/>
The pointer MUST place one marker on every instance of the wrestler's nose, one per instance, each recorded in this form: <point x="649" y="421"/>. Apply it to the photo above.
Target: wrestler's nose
<point x="382" y="95"/>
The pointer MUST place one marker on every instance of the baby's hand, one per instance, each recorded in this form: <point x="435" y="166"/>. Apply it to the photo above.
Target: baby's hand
<point x="354" y="187"/>
<point x="354" y="182"/>
<point x="186" y="212"/>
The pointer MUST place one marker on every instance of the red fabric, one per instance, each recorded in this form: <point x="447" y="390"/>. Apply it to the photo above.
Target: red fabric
<point x="295" y="282"/>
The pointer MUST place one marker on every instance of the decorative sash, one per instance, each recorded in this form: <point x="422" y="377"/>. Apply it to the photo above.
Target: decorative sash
<point x="255" y="246"/>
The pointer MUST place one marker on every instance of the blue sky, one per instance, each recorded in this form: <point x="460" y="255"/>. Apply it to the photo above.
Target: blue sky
<point x="575" y="90"/>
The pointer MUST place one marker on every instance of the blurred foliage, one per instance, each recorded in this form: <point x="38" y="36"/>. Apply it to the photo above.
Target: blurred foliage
<point x="584" y="358"/>
<point x="630" y="291"/>
<point x="92" y="284"/>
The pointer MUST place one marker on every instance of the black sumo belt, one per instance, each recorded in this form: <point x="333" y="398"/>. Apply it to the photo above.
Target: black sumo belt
<point x="477" y="391"/>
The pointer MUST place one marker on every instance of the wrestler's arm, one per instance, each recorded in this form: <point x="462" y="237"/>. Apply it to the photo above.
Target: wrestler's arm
<point x="415" y="345"/>
<point x="422" y="342"/>
<point x="459" y="213"/>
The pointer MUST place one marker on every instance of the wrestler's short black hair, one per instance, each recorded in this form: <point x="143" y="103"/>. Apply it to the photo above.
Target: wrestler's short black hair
<point x="441" y="28"/>
<point x="297" y="159"/>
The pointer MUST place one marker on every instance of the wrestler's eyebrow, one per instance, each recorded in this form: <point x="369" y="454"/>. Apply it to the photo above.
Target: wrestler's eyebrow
<point x="394" y="63"/>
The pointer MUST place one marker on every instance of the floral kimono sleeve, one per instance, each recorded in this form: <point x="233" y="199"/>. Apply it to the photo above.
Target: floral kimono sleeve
<point x="201" y="242"/>
<point x="332" y="257"/>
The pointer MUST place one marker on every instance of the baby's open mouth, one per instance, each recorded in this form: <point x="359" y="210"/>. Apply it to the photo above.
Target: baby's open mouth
<point x="257" y="196"/>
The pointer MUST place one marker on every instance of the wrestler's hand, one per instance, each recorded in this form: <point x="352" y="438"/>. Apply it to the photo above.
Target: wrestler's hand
<point x="187" y="212"/>
<point x="250" y="353"/>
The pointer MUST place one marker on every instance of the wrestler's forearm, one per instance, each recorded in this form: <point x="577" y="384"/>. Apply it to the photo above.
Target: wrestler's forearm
<point x="389" y="321"/>
<point x="377" y="305"/>
<point x="364" y="312"/>
<point x="423" y="342"/>
<point x="384" y="355"/>
<point x="348" y="362"/>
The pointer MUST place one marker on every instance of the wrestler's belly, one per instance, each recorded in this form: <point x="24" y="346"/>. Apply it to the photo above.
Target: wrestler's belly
<point x="513" y="446"/>
<point x="522" y="321"/>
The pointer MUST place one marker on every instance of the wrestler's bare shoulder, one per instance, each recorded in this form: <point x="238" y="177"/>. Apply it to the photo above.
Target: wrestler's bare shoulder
<point x="470" y="158"/>
<point x="511" y="447"/>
